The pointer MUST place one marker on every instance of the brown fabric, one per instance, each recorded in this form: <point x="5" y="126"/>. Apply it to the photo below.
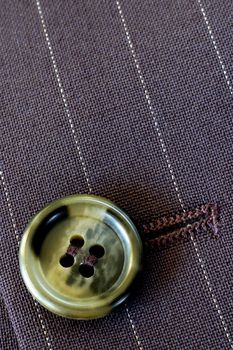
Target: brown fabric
<point x="8" y="339"/>
<point x="132" y="101"/>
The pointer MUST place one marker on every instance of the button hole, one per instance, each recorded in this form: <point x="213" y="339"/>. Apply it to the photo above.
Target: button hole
<point x="66" y="260"/>
<point x="77" y="241"/>
<point x="86" y="270"/>
<point x="97" y="250"/>
<point x="167" y="231"/>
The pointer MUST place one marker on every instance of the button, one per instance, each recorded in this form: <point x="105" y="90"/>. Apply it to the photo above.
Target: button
<point x="79" y="256"/>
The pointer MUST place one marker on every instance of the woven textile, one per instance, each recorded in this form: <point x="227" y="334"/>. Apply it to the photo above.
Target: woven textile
<point x="8" y="338"/>
<point x="130" y="100"/>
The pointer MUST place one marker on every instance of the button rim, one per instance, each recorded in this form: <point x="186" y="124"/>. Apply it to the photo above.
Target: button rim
<point x="67" y="309"/>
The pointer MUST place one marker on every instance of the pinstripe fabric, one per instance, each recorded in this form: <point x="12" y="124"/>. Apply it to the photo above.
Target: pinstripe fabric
<point x="132" y="101"/>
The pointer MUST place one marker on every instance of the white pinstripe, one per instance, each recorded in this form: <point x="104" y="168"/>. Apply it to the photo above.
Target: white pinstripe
<point x="164" y="150"/>
<point x="73" y="130"/>
<point x="152" y="111"/>
<point x="216" y="47"/>
<point x="63" y="96"/>
<point x="134" y="329"/>
<point x="210" y="31"/>
<point x="42" y="323"/>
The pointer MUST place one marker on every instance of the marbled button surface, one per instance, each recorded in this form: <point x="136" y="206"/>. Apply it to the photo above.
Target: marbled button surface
<point x="79" y="256"/>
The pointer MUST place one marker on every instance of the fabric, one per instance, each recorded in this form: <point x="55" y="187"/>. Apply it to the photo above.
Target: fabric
<point x="8" y="338"/>
<point x="130" y="100"/>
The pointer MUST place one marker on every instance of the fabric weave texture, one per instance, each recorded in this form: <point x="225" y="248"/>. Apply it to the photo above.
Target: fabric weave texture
<point x="130" y="100"/>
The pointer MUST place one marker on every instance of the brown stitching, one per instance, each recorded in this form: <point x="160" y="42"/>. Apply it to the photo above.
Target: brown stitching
<point x="168" y="231"/>
<point x="164" y="222"/>
<point x="90" y="260"/>
<point x="73" y="250"/>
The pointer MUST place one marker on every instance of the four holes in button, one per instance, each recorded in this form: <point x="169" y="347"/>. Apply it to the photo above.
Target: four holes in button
<point x="86" y="270"/>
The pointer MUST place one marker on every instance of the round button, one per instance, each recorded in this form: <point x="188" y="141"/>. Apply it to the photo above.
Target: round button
<point x="79" y="256"/>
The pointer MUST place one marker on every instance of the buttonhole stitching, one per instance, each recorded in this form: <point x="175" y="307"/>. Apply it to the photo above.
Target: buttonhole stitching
<point x="168" y="231"/>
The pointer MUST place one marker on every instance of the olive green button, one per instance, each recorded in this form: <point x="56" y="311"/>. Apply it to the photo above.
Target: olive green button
<point x="79" y="256"/>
